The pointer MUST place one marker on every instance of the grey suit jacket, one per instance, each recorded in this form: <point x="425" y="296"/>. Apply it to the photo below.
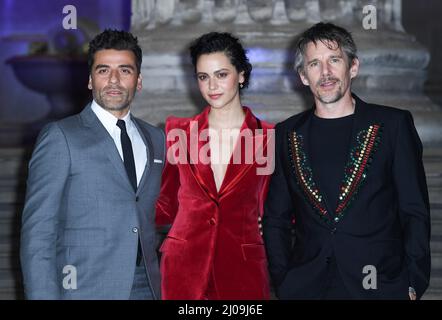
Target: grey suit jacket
<point x="82" y="219"/>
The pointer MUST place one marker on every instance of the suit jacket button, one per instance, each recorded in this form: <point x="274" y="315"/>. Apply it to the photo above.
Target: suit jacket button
<point x="136" y="199"/>
<point x="212" y="222"/>
<point x="134" y="229"/>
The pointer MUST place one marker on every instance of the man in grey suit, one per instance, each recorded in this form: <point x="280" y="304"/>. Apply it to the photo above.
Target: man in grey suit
<point x="88" y="227"/>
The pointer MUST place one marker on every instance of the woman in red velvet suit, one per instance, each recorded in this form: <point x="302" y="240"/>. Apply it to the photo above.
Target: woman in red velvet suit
<point x="214" y="184"/>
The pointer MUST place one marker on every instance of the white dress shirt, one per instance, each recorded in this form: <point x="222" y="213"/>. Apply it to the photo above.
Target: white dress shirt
<point x="109" y="121"/>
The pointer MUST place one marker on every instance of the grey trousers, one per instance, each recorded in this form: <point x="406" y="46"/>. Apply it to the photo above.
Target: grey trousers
<point x="140" y="288"/>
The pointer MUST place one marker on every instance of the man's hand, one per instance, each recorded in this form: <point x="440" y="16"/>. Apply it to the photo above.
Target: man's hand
<point x="412" y="293"/>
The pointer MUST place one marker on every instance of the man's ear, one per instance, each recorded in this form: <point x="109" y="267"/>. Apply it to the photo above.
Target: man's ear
<point x="139" y="82"/>
<point x="89" y="85"/>
<point x="303" y="78"/>
<point x="354" y="69"/>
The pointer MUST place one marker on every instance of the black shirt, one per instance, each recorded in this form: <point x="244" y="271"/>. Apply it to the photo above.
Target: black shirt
<point x="329" y="148"/>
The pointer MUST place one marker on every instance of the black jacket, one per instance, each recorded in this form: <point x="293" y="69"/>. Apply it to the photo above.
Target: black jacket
<point x="382" y="219"/>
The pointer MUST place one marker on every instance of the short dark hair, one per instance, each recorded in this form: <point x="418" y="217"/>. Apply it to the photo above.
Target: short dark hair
<point x="117" y="40"/>
<point x="325" y="32"/>
<point x="213" y="42"/>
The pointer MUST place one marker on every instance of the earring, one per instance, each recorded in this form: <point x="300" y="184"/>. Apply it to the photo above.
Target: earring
<point x="241" y="85"/>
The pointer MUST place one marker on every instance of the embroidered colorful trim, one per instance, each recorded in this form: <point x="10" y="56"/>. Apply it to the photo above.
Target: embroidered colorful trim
<point x="357" y="167"/>
<point x="304" y="173"/>
<point x="356" y="170"/>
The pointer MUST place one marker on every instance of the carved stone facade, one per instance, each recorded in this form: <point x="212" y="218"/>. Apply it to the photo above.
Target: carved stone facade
<point x="392" y="63"/>
<point x="149" y="14"/>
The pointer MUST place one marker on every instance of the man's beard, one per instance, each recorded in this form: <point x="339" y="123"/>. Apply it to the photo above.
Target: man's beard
<point x="108" y="103"/>
<point x="326" y="98"/>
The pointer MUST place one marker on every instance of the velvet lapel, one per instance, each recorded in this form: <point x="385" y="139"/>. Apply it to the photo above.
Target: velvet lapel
<point x="300" y="164"/>
<point x="365" y="138"/>
<point x="104" y="142"/>
<point x="199" y="157"/>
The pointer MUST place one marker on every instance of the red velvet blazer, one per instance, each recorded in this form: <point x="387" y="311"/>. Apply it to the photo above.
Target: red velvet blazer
<point x="214" y="239"/>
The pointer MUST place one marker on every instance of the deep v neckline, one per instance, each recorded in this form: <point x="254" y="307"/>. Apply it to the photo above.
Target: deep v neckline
<point x="220" y="158"/>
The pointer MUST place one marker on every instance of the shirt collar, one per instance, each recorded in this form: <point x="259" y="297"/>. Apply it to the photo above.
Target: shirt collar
<point x="108" y="120"/>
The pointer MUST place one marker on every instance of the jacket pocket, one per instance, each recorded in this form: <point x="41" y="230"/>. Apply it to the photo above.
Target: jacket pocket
<point x="83" y="237"/>
<point x="171" y="241"/>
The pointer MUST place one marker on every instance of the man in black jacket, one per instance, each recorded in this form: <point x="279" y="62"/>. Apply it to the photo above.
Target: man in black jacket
<point x="349" y="184"/>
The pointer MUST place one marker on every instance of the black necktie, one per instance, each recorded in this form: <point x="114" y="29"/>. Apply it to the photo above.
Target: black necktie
<point x="128" y="154"/>
<point x="129" y="164"/>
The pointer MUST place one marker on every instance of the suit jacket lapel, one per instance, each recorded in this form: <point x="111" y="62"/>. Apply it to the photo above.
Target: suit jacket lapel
<point x="200" y="164"/>
<point x="104" y="142"/>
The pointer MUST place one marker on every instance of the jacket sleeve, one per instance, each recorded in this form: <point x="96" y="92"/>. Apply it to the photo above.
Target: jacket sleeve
<point x="412" y="193"/>
<point x="167" y="203"/>
<point x="48" y="174"/>
<point x="278" y="215"/>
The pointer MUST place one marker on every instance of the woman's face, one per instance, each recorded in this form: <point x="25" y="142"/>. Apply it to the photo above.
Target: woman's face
<point x="218" y="80"/>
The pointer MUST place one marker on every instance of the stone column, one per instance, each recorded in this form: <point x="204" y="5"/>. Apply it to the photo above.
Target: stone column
<point x="296" y="10"/>
<point x="261" y="10"/>
<point x="392" y="63"/>
<point x="224" y="11"/>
